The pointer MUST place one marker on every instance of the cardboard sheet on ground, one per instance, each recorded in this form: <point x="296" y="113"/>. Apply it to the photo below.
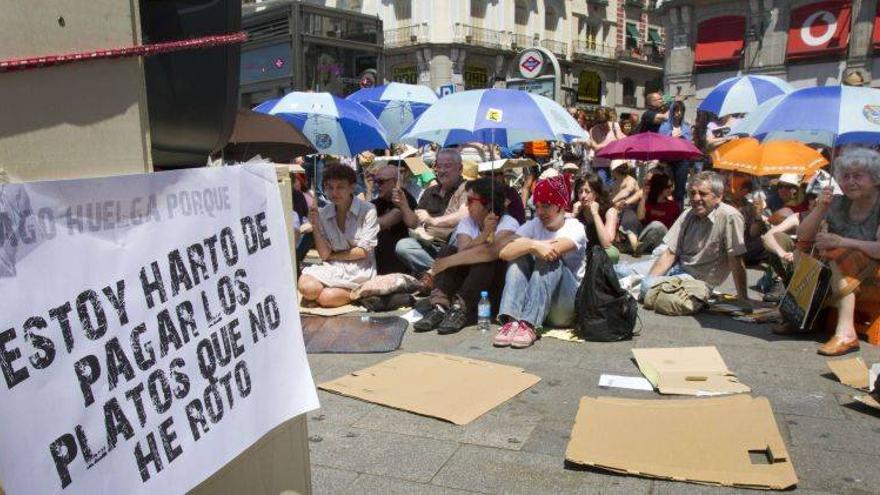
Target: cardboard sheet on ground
<point x="452" y="388"/>
<point x="341" y="310"/>
<point x="854" y="373"/>
<point x="730" y="441"/>
<point x="688" y="371"/>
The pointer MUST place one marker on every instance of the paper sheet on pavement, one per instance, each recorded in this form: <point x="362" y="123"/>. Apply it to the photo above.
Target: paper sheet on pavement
<point x="628" y="382"/>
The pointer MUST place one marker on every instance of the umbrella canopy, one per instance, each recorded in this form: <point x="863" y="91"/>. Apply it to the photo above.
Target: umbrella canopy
<point x="333" y="125"/>
<point x="851" y="114"/>
<point x="650" y="146"/>
<point x="493" y="116"/>
<point x="743" y="94"/>
<point x="749" y="156"/>
<point x="395" y="105"/>
<point x="507" y="164"/>
<point x="265" y="135"/>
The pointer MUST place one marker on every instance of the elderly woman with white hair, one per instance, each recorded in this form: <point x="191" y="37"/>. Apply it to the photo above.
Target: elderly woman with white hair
<point x="852" y="242"/>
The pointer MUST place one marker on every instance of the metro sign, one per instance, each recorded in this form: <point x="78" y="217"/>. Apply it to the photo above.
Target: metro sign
<point x="530" y="64"/>
<point x="819" y="29"/>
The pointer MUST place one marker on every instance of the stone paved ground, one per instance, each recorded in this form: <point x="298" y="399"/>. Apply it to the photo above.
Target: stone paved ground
<point x="519" y="447"/>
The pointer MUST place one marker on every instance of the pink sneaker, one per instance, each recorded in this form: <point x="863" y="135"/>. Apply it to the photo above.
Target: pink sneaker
<point x="505" y="333"/>
<point x="524" y="337"/>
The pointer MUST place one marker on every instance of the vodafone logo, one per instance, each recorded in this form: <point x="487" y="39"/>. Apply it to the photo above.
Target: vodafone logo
<point x="823" y="32"/>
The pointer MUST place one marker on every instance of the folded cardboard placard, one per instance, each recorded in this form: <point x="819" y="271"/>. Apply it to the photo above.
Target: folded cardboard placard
<point x="851" y="372"/>
<point x="452" y="388"/>
<point x="729" y="441"/>
<point x="688" y="371"/>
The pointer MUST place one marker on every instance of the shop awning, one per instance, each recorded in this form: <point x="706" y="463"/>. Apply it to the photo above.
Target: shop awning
<point x="654" y="37"/>
<point x="720" y="41"/>
<point x="876" y="36"/>
<point x="632" y="31"/>
<point x="819" y="29"/>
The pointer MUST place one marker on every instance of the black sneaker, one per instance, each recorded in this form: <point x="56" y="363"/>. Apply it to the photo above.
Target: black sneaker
<point x="776" y="292"/>
<point x="453" y="322"/>
<point x="430" y="321"/>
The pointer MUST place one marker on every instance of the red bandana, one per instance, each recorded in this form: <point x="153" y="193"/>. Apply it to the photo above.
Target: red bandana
<point x="553" y="190"/>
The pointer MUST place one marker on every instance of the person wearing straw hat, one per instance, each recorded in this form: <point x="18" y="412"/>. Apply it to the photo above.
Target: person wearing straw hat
<point x="786" y="196"/>
<point x="547" y="257"/>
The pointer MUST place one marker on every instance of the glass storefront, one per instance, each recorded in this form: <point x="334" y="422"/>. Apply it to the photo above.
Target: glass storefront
<point x="589" y="88"/>
<point x="333" y="69"/>
<point x="476" y="77"/>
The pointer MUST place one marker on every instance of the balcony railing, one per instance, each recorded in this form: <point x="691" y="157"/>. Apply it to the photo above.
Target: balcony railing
<point x="475" y="35"/>
<point x="593" y="49"/>
<point x="646" y="52"/>
<point x="406" y="35"/>
<point x="520" y="41"/>
<point x="556" y="47"/>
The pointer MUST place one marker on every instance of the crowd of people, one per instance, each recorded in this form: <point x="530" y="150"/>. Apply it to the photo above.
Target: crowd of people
<point x="522" y="235"/>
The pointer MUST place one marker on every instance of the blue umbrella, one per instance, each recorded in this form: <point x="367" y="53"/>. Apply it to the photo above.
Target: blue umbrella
<point x="395" y="105"/>
<point x="851" y="114"/>
<point x="494" y="116"/>
<point x="743" y="94"/>
<point x="333" y="125"/>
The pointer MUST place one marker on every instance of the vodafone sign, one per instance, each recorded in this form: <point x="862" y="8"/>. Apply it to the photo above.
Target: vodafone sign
<point x="820" y="28"/>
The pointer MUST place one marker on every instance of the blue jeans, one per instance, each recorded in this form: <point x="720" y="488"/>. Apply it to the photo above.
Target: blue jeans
<point x="643" y="268"/>
<point x="536" y="291"/>
<point x="680" y="171"/>
<point x="414" y="255"/>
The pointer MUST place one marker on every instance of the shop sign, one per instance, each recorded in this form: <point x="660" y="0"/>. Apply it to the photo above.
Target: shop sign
<point x="265" y="63"/>
<point x="531" y="64"/>
<point x="405" y="74"/>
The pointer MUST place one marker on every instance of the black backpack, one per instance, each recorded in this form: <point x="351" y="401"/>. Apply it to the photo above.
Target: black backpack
<point x="603" y="311"/>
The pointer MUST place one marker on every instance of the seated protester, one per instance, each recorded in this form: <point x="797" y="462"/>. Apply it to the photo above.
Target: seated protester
<point x="780" y="248"/>
<point x="594" y="210"/>
<point x="391" y="226"/>
<point x="740" y="196"/>
<point x="345" y="231"/>
<point x="438" y="212"/>
<point x="472" y="265"/>
<point x="852" y="243"/>
<point x="706" y="242"/>
<point x="657" y="211"/>
<point x="786" y="199"/>
<point x="547" y="258"/>
<point x="625" y="196"/>
<point x="513" y="200"/>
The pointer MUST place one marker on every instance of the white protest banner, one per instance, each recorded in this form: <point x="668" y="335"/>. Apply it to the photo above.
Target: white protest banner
<point x="149" y="329"/>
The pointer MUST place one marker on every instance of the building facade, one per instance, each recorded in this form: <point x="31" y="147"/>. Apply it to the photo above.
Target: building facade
<point x="806" y="42"/>
<point x="300" y="46"/>
<point x="609" y="51"/>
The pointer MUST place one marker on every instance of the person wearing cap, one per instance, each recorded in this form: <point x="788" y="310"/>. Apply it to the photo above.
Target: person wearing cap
<point x="472" y="266"/>
<point x="547" y="257"/>
<point x="852" y="244"/>
<point x="437" y="213"/>
<point x="785" y="200"/>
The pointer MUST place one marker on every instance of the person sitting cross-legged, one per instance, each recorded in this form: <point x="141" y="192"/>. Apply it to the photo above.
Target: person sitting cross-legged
<point x="345" y="231"/>
<point x="547" y="262"/>
<point x="472" y="266"/>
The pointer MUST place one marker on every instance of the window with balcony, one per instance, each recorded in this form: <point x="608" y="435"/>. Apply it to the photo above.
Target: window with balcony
<point x="591" y="36"/>
<point x="632" y="36"/>
<point x="478" y="12"/>
<point x="551" y="20"/>
<point x="403" y="10"/>
<point x="521" y="16"/>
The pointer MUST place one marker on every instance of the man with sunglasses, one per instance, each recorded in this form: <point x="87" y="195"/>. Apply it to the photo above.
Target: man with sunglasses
<point x="472" y="266"/>
<point x="391" y="226"/>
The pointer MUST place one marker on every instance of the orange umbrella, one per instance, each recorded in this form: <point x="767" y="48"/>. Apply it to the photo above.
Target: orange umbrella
<point x="749" y="156"/>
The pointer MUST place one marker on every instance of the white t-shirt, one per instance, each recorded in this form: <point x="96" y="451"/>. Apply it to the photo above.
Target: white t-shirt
<point x="469" y="227"/>
<point x="572" y="230"/>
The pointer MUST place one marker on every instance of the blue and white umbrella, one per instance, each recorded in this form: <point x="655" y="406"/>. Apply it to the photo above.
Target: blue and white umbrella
<point x="395" y="105"/>
<point x="493" y="116"/>
<point x="851" y="114"/>
<point x="743" y="94"/>
<point x="333" y="125"/>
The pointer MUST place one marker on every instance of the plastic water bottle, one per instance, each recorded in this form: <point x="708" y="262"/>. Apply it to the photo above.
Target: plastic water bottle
<point x="484" y="312"/>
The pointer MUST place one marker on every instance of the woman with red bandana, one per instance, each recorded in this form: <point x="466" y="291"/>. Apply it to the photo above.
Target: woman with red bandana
<point x="546" y="258"/>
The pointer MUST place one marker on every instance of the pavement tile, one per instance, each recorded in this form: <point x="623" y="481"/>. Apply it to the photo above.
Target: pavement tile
<point x="370" y="485"/>
<point x="339" y="409"/>
<point x="506" y="427"/>
<point x="802" y="403"/>
<point x="330" y="481"/>
<point x="380" y="453"/>
<point x="551" y="437"/>
<point x="509" y="472"/>
<point x="834" y="435"/>
<point x="855" y="474"/>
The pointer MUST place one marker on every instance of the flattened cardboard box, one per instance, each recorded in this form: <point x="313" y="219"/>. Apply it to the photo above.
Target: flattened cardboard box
<point x="854" y="372"/>
<point x="708" y="441"/>
<point x="688" y="371"/>
<point x="452" y="388"/>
